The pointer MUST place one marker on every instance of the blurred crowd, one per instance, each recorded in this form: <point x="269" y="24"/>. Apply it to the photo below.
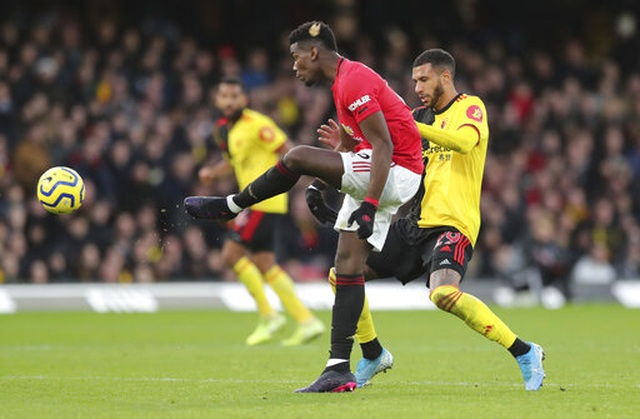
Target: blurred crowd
<point x="130" y="108"/>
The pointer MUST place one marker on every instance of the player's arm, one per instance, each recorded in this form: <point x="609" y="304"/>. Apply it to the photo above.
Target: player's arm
<point x="461" y="140"/>
<point x="222" y="169"/>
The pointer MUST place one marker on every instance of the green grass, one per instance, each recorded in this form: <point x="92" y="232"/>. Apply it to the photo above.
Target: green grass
<point x="195" y="365"/>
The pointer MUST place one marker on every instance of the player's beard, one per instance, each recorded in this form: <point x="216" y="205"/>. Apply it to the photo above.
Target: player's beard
<point x="437" y="94"/>
<point x="234" y="115"/>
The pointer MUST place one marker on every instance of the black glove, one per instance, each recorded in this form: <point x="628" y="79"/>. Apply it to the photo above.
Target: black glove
<point x="364" y="216"/>
<point x="318" y="208"/>
<point x="424" y="115"/>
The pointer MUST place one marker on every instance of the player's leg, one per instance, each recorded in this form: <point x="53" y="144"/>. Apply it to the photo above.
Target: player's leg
<point x="399" y="260"/>
<point x="309" y="326"/>
<point x="300" y="160"/>
<point x="453" y="251"/>
<point x="351" y="259"/>
<point x="259" y="233"/>
<point x="270" y="321"/>
<point x="349" y="300"/>
<point x="375" y="358"/>
<point x="366" y="331"/>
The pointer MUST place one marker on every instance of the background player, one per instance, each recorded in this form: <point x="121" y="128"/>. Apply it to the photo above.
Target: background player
<point x="380" y="175"/>
<point x="250" y="143"/>
<point x="438" y="235"/>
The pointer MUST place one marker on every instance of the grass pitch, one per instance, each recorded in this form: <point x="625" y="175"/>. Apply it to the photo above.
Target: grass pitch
<point x="192" y="364"/>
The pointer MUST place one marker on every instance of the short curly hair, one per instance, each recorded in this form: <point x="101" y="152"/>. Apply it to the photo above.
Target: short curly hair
<point x="437" y="58"/>
<point x="314" y="31"/>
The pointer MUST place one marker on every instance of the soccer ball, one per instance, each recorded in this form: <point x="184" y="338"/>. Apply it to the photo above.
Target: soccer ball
<point x="60" y="190"/>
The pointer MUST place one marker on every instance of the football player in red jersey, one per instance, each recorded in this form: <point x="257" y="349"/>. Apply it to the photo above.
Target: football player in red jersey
<point x="378" y="175"/>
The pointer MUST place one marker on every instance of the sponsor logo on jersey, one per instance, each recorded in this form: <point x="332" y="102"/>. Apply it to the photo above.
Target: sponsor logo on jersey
<point x="359" y="102"/>
<point x="436" y="149"/>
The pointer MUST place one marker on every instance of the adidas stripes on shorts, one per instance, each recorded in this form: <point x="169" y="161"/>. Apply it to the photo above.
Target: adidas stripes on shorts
<point x="411" y="252"/>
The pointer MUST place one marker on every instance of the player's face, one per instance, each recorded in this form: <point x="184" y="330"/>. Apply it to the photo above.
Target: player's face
<point x="428" y="85"/>
<point x="304" y="63"/>
<point x="230" y="99"/>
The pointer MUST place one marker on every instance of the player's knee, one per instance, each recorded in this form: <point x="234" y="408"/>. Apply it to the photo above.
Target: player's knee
<point x="295" y="159"/>
<point x="444" y="296"/>
<point x="347" y="261"/>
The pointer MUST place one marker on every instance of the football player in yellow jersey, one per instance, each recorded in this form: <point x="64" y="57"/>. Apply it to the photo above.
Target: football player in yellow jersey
<point x="438" y="235"/>
<point x="251" y="143"/>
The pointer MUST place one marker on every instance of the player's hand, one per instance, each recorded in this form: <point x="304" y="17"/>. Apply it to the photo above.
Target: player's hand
<point x="329" y="134"/>
<point x="364" y="216"/>
<point x="318" y="208"/>
<point x="206" y="175"/>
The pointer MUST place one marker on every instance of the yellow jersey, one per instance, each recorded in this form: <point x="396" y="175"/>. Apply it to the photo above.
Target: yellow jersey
<point x="251" y="145"/>
<point x="453" y="180"/>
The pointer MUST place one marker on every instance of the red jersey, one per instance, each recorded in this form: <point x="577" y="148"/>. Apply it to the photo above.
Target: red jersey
<point x="358" y="92"/>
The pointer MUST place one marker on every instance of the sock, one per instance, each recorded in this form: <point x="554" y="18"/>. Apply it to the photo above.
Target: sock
<point x="284" y="287"/>
<point x="250" y="276"/>
<point x="339" y="365"/>
<point x="347" y="308"/>
<point x="519" y="347"/>
<point x="276" y="180"/>
<point x="232" y="205"/>
<point x="371" y="350"/>
<point x="474" y="312"/>
<point x="365" y="330"/>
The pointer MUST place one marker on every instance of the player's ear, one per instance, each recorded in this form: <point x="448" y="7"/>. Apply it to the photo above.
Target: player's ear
<point x="446" y="75"/>
<point x="314" y="52"/>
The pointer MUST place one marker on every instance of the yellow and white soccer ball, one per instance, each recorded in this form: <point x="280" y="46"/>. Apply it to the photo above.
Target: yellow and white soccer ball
<point x="61" y="190"/>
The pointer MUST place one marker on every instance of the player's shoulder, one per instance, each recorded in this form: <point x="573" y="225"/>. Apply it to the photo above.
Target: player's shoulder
<point x="357" y="71"/>
<point x="467" y="99"/>
<point x="472" y="107"/>
<point x="252" y="114"/>
<point x="255" y="117"/>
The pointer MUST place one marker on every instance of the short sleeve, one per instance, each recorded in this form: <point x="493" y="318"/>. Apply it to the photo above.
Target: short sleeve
<point x="361" y="95"/>
<point x="270" y="136"/>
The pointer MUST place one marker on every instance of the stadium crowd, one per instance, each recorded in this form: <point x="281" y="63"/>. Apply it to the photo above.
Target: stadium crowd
<point x="129" y="107"/>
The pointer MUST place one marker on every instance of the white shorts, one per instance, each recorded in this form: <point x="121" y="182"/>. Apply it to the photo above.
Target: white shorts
<point x="402" y="184"/>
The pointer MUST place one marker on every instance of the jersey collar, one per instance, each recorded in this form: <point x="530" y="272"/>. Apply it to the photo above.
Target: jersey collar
<point x="340" y="61"/>
<point x="448" y="105"/>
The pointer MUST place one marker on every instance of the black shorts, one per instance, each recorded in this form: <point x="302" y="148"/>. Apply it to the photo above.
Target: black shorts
<point x="256" y="230"/>
<point x="411" y="252"/>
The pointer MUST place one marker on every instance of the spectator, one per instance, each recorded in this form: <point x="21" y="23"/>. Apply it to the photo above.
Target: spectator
<point x="129" y="107"/>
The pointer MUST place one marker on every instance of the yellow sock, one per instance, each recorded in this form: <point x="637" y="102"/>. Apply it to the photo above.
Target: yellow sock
<point x="366" y="331"/>
<point x="283" y="285"/>
<point x="474" y="312"/>
<point x="250" y="276"/>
